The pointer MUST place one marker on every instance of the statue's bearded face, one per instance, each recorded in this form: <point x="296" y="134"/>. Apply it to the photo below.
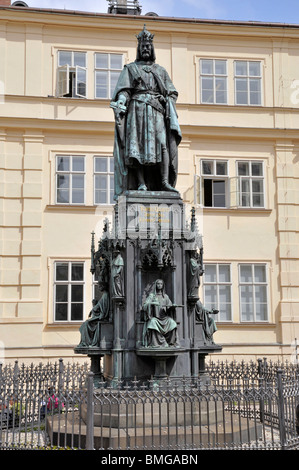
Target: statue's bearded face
<point x="146" y="50"/>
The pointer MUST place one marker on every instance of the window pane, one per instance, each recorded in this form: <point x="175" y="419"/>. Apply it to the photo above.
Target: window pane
<point x="80" y="59"/>
<point x="78" y="164"/>
<point x="245" y="200"/>
<point x="219" y="187"/>
<point x="206" y="66"/>
<point x="102" y="61"/>
<point x="100" y="197"/>
<point x="224" y="294"/>
<point x="221" y="168"/>
<point x="111" y="189"/>
<point x="257" y="169"/>
<point x="260" y="294"/>
<point x="258" y="200"/>
<point x="224" y="273"/>
<point x="225" y="312"/>
<point x="77" y="293"/>
<point x="246" y="294"/>
<point x="77" y="272"/>
<point x="101" y="85"/>
<point x="101" y="182"/>
<point x="246" y="273"/>
<point x="259" y="273"/>
<point x="255" y="98"/>
<point x="241" y="67"/>
<point x="261" y="312"/>
<point x="207" y="86"/>
<point x="101" y="164"/>
<point x="113" y="81"/>
<point x="76" y="312"/>
<point x="241" y="98"/>
<point x="243" y="169"/>
<point x="220" y="90"/>
<point x="81" y="83"/>
<point x="63" y="196"/>
<point x="210" y="296"/>
<point x="254" y="69"/>
<point x="78" y="181"/>
<point x="220" y="67"/>
<point x="63" y="163"/>
<point x="116" y="61"/>
<point x="111" y="161"/>
<point x="61" y="312"/>
<point x="62" y="271"/>
<point x="207" y="168"/>
<point x="64" y="58"/>
<point x="62" y="293"/>
<point x="257" y="186"/>
<point x="245" y="185"/>
<point x="210" y="273"/>
<point x="255" y="85"/>
<point x="207" y="96"/>
<point x="77" y="196"/>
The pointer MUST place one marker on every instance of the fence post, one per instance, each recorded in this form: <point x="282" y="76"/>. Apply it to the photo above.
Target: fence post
<point x="90" y="413"/>
<point x="281" y="417"/>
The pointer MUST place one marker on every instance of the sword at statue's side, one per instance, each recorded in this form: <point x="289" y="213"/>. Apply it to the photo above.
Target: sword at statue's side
<point x="119" y="112"/>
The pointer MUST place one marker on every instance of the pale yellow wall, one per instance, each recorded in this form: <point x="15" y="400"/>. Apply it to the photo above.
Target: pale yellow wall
<point x="35" y="125"/>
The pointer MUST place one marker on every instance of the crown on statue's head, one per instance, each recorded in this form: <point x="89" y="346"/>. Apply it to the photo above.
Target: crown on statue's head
<point x="145" y="35"/>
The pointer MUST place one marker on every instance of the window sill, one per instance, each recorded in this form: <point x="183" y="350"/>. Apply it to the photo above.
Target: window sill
<point x="65" y="324"/>
<point x="78" y="207"/>
<point x="233" y="210"/>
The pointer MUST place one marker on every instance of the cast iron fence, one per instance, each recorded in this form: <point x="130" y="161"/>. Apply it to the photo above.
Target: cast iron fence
<point x="245" y="406"/>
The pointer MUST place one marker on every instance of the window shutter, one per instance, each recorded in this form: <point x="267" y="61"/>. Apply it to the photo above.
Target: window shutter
<point x="197" y="190"/>
<point x="63" y="81"/>
<point x="234" y="186"/>
<point x="80" y="81"/>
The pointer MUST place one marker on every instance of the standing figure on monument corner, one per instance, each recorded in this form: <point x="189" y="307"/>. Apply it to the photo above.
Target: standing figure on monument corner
<point x="147" y="132"/>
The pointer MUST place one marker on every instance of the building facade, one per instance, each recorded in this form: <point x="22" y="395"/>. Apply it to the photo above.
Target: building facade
<point x="238" y="109"/>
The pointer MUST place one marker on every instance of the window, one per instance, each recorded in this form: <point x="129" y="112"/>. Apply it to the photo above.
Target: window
<point x="253" y="292"/>
<point x="213" y="183"/>
<point x="103" y="180"/>
<point x="72" y="74"/>
<point x="107" y="70"/>
<point x="69" y="291"/>
<point x="251" y="183"/>
<point x="217" y="290"/>
<point x="70" y="178"/>
<point x="213" y="79"/>
<point x="248" y="82"/>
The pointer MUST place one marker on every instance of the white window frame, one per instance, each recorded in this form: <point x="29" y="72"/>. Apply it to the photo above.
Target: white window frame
<point x="254" y="285"/>
<point x="200" y="179"/>
<point x="248" y="78"/>
<point x="218" y="284"/>
<point x="107" y="71"/>
<point x="214" y="76"/>
<point x="251" y="178"/>
<point x="109" y="174"/>
<point x="63" y="84"/>
<point x="70" y="173"/>
<point x="69" y="282"/>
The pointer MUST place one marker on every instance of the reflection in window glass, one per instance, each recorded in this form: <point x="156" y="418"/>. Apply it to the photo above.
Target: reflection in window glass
<point x="103" y="180"/>
<point x="107" y="70"/>
<point x="213" y="81"/>
<point x="69" y="291"/>
<point x="70" y="180"/>
<point x="217" y="290"/>
<point x="253" y="292"/>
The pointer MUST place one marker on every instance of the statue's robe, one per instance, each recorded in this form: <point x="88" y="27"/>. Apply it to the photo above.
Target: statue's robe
<point x="149" y="124"/>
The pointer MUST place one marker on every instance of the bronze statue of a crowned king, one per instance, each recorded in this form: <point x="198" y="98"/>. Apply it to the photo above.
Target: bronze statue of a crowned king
<point x="147" y="132"/>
